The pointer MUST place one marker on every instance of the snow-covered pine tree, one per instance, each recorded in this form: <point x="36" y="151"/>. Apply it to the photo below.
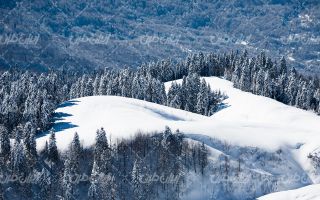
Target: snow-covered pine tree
<point x="283" y="65"/>
<point x="88" y="88"/>
<point x="301" y="100"/>
<point x="267" y="89"/>
<point x="102" y="152"/>
<point x="53" y="154"/>
<point x="317" y="101"/>
<point x="310" y="101"/>
<point x="18" y="160"/>
<point x="281" y="83"/>
<point x="174" y="96"/>
<point x="4" y="145"/>
<point x="102" y="183"/>
<point x="102" y="90"/>
<point x="72" y="169"/>
<point x="82" y="85"/>
<point x="259" y="85"/>
<point x="43" y="183"/>
<point x="137" y="89"/>
<point x="245" y="77"/>
<point x="69" y="187"/>
<point x="136" y="181"/>
<point x="203" y="157"/>
<point x="47" y="109"/>
<point x="29" y="143"/>
<point x="125" y="80"/>
<point x="192" y="90"/>
<point x="236" y="76"/>
<point x="292" y="87"/>
<point x="202" y="105"/>
<point x="95" y="85"/>
<point x="75" y="150"/>
<point x="93" y="192"/>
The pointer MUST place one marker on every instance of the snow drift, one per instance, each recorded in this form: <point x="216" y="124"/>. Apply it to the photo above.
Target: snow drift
<point x="246" y="122"/>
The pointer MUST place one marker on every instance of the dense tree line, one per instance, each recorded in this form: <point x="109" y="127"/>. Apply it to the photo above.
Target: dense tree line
<point x="145" y="167"/>
<point x="194" y="95"/>
<point x="31" y="97"/>
<point x="260" y="75"/>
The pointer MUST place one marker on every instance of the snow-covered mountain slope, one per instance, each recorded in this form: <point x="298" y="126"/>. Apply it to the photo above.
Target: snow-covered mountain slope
<point x="120" y="116"/>
<point x="247" y="120"/>
<point x="311" y="192"/>
<point x="272" y="139"/>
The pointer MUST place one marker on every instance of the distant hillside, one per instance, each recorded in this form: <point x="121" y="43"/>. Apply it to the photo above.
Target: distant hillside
<point x="92" y="34"/>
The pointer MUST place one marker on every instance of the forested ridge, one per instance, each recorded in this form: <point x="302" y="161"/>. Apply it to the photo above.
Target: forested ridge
<point x="28" y="100"/>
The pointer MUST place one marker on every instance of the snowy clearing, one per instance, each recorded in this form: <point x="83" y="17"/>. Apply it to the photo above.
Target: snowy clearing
<point x="246" y="121"/>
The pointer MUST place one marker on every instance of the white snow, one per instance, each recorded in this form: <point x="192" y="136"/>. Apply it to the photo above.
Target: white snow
<point x="244" y="43"/>
<point x="291" y="58"/>
<point x="311" y="192"/>
<point x="247" y="120"/>
<point x="121" y="117"/>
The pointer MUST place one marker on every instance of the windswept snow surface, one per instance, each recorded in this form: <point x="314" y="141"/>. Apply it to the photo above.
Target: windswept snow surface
<point x="121" y="118"/>
<point x="311" y="192"/>
<point x="246" y="121"/>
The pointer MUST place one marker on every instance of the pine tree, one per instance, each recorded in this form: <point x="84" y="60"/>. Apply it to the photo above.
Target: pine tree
<point x="172" y="93"/>
<point x="93" y="193"/>
<point x="267" y="89"/>
<point x="283" y="66"/>
<point x="317" y="101"/>
<point x="95" y="85"/>
<point x="236" y="76"/>
<point x="281" y="84"/>
<point x="53" y="154"/>
<point x="203" y="157"/>
<point x="18" y="158"/>
<point x="4" y="144"/>
<point x="259" y="85"/>
<point x="301" y="100"/>
<point x="135" y="181"/>
<point x="102" y="184"/>
<point x="47" y="109"/>
<point x="102" y="154"/>
<point x="310" y="101"/>
<point x="75" y="154"/>
<point x="44" y="184"/>
<point x="103" y="85"/>
<point x="192" y="90"/>
<point x="203" y="99"/>
<point x="72" y="169"/>
<point x="69" y="190"/>
<point x="291" y="88"/>
<point x="245" y="77"/>
<point x="137" y="88"/>
<point x="30" y="145"/>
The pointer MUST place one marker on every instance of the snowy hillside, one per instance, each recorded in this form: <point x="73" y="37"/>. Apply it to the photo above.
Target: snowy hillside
<point x="121" y="117"/>
<point x="272" y="139"/>
<point x="246" y="119"/>
<point x="311" y="192"/>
